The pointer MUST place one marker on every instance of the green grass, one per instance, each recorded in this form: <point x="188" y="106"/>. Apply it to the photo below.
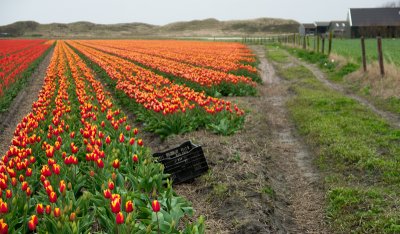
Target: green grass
<point x="276" y="54"/>
<point x="337" y="74"/>
<point x="351" y="49"/>
<point x="356" y="150"/>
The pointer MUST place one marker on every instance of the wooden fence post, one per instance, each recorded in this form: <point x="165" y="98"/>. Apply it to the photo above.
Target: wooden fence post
<point x="317" y="43"/>
<point x="304" y="42"/>
<point x="323" y="45"/>
<point x="294" y="39"/>
<point x="330" y="43"/>
<point x="380" y="56"/>
<point x="364" y="59"/>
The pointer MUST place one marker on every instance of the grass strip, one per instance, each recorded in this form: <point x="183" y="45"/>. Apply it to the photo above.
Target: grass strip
<point x="356" y="150"/>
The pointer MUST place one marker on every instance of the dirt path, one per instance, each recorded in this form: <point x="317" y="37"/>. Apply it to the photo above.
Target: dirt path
<point x="392" y="119"/>
<point x="22" y="104"/>
<point x="291" y="169"/>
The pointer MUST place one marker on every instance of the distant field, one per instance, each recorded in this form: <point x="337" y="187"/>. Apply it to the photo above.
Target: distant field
<point x="351" y="48"/>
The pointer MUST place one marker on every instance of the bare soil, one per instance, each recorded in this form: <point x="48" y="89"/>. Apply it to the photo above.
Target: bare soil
<point x="262" y="179"/>
<point x="22" y="104"/>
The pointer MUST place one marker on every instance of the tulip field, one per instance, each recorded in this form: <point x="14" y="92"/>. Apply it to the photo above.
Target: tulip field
<point x="16" y="56"/>
<point x="178" y="99"/>
<point x="76" y="165"/>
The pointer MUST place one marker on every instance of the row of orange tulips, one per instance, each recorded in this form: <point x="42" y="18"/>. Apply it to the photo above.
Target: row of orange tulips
<point x="225" y="57"/>
<point x="200" y="75"/>
<point x="151" y="90"/>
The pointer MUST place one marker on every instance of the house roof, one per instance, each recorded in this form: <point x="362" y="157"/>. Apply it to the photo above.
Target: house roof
<point x="309" y="25"/>
<point x="322" y="24"/>
<point x="374" y="16"/>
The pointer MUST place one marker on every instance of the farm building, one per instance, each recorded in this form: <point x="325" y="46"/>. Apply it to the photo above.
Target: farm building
<point x="307" y="29"/>
<point x="321" y="27"/>
<point x="373" y="22"/>
<point x="339" y="29"/>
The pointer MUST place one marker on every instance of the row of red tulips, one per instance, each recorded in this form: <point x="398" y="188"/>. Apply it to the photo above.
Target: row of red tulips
<point x="16" y="58"/>
<point x="76" y="166"/>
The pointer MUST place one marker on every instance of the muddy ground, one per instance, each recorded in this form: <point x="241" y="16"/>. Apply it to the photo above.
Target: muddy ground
<point x="22" y="104"/>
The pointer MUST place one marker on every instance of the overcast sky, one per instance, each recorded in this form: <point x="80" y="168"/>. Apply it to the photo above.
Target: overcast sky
<point x="161" y="12"/>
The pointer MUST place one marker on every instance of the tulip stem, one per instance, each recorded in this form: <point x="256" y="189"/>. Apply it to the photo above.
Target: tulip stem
<point x="158" y="223"/>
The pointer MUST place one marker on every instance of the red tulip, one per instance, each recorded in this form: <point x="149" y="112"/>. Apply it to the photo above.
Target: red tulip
<point x="3" y="183"/>
<point x="132" y="141"/>
<point x="74" y="160"/>
<point x="31" y="225"/>
<point x="8" y="193"/>
<point x="110" y="185"/>
<point x="21" y="178"/>
<point x="39" y="209"/>
<point x="28" y="191"/>
<point x="50" y="152"/>
<point x="135" y="158"/>
<point x="3" y="227"/>
<point x="28" y="172"/>
<point x="100" y="163"/>
<point x="72" y="135"/>
<point x="107" y="193"/>
<point x="53" y="197"/>
<point x="116" y="163"/>
<point x="108" y="140"/>
<point x="57" y="145"/>
<point x="140" y="142"/>
<point x="51" y="161"/>
<point x="129" y="206"/>
<point x="74" y="148"/>
<point x="121" y="138"/>
<point x="46" y="171"/>
<point x="3" y="207"/>
<point x="119" y="218"/>
<point x="115" y="206"/>
<point x="62" y="186"/>
<point x="35" y="219"/>
<point x="156" y="206"/>
<point x="24" y="186"/>
<point x="48" y="209"/>
<point x="135" y="131"/>
<point x="32" y="160"/>
<point x="56" y="169"/>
